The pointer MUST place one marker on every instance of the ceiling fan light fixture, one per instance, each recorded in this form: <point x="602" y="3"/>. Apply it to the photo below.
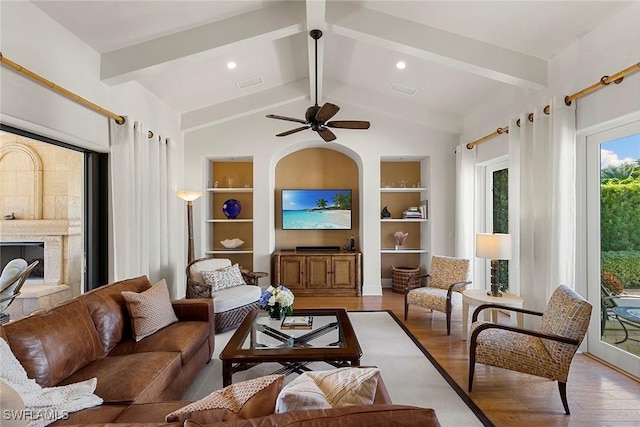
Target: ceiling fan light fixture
<point x="317" y="117"/>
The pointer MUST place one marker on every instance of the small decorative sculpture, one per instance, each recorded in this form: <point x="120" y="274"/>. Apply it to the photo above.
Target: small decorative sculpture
<point x="400" y="238"/>
<point x="385" y="213"/>
<point x="234" y="243"/>
<point x="11" y="216"/>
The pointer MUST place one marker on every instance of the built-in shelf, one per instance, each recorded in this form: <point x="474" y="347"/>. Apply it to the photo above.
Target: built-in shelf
<point x="402" y="189"/>
<point x="229" y="190"/>
<point x="402" y="251"/>
<point x="403" y="220"/>
<point x="230" y="220"/>
<point x="229" y="252"/>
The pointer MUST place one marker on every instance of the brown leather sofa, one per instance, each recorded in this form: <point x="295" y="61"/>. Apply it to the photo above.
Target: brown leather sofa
<point x="142" y="382"/>
<point x="91" y="336"/>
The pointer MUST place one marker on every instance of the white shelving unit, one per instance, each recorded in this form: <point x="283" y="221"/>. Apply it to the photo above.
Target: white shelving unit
<point x="218" y="226"/>
<point x="397" y="200"/>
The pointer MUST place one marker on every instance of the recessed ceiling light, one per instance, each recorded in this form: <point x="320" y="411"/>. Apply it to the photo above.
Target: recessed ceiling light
<point x="231" y="65"/>
<point x="401" y="65"/>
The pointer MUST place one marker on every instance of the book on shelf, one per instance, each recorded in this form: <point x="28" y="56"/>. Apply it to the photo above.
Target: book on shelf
<point x="297" y="322"/>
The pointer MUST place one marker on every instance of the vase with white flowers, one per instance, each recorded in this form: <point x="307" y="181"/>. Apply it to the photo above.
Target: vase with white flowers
<point x="277" y="301"/>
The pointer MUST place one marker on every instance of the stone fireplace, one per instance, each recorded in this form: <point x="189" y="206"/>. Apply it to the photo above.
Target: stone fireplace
<point x="44" y="193"/>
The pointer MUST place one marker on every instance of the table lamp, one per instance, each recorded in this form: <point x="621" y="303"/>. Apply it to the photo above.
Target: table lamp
<point x="494" y="247"/>
<point x="189" y="197"/>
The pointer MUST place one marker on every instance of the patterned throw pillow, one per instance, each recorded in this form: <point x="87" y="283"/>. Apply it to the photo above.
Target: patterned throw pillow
<point x="223" y="278"/>
<point x="329" y="389"/>
<point x="150" y="310"/>
<point x="242" y="400"/>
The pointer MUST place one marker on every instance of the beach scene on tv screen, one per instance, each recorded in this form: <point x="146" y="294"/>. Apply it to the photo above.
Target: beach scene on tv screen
<point x="316" y="209"/>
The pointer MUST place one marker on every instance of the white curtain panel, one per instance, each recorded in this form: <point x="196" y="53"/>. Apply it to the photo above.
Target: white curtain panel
<point x="542" y="202"/>
<point x="465" y="205"/>
<point x="142" y="180"/>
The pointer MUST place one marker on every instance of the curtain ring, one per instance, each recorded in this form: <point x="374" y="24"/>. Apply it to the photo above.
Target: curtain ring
<point x="518" y="123"/>
<point x="604" y="81"/>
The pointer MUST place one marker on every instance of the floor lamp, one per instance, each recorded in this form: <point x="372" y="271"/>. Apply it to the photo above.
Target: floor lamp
<point x="494" y="247"/>
<point x="189" y="197"/>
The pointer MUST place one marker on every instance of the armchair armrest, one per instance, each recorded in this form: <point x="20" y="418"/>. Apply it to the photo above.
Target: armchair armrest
<point x="412" y="278"/>
<point x="478" y="309"/>
<point x="482" y="327"/>
<point x="198" y="310"/>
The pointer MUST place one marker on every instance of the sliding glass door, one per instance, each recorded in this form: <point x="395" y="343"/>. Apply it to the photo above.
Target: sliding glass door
<point x="613" y="245"/>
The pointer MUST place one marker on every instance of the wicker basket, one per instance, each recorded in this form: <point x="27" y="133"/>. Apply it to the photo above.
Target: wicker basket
<point x="400" y="276"/>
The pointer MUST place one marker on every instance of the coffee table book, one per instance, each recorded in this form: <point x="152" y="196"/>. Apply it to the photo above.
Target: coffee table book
<point x="297" y="322"/>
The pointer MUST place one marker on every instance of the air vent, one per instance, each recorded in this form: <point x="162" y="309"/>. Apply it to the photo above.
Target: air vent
<point x="250" y="82"/>
<point x="403" y="89"/>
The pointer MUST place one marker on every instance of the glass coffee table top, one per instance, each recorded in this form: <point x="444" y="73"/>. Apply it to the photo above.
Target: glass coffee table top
<point x="267" y="333"/>
<point x="260" y="339"/>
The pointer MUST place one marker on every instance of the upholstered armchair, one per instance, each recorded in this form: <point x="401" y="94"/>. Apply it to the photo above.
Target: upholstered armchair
<point x="235" y="293"/>
<point x="545" y="353"/>
<point x="13" y="276"/>
<point x="448" y="278"/>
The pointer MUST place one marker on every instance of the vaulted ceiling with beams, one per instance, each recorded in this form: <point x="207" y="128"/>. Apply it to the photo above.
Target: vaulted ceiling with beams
<point x="456" y="53"/>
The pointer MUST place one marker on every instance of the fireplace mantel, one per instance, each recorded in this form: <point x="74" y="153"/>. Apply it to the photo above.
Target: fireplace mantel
<point x="40" y="227"/>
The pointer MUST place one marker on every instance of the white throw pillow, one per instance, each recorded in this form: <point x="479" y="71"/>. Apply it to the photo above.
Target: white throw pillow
<point x="150" y="310"/>
<point x="329" y="389"/>
<point x="11" y="271"/>
<point x="223" y="278"/>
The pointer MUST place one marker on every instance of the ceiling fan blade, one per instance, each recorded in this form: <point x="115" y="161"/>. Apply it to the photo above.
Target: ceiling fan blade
<point x="348" y="124"/>
<point x="291" y="119"/>
<point x="289" y="132"/>
<point x="326" y="134"/>
<point x="326" y="112"/>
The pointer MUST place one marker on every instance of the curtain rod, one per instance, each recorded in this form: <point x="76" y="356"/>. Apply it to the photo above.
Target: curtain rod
<point x="604" y="81"/>
<point x="119" y="119"/>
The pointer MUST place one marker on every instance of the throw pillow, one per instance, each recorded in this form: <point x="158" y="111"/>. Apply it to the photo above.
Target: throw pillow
<point x="11" y="271"/>
<point x="150" y="310"/>
<point x="242" y="400"/>
<point x="223" y="278"/>
<point x="329" y="389"/>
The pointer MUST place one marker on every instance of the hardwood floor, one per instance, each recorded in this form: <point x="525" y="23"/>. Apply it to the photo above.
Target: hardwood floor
<point x="598" y="395"/>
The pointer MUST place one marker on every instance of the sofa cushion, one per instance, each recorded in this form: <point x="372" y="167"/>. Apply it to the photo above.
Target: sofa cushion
<point x="230" y="298"/>
<point x="364" y="415"/>
<point x="242" y="400"/>
<point x="150" y="310"/>
<point x="109" y="310"/>
<point x="183" y="337"/>
<point x="56" y="343"/>
<point x="327" y="389"/>
<point x="132" y="378"/>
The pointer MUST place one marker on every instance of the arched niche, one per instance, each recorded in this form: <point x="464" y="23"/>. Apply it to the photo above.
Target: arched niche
<point x="35" y="167"/>
<point x="316" y="166"/>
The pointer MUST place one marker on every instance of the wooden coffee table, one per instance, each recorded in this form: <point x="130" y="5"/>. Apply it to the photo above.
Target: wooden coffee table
<point x="260" y="339"/>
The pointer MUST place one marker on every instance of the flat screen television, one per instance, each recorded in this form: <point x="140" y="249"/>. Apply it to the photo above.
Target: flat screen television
<point x="316" y="209"/>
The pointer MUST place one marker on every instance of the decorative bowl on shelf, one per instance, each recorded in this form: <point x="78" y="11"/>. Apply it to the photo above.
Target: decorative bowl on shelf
<point x="231" y="208"/>
<point x="232" y="243"/>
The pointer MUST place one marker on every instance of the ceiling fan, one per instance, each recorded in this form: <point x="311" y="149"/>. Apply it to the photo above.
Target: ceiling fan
<point x="316" y="117"/>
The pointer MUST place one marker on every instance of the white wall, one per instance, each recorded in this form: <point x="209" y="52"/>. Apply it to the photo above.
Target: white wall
<point x="611" y="47"/>
<point x="254" y="136"/>
<point x="31" y="39"/>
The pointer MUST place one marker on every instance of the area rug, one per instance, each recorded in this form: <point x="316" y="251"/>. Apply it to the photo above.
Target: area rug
<point x="411" y="374"/>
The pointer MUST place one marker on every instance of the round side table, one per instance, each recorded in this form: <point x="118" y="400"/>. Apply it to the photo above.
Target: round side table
<point x="255" y="276"/>
<point x="478" y="297"/>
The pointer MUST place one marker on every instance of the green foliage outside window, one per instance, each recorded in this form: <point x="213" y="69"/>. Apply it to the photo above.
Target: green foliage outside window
<point x="620" y="222"/>
<point x="501" y="219"/>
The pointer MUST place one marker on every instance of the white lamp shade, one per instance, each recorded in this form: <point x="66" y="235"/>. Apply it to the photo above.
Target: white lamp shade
<point x="493" y="246"/>
<point x="188" y="196"/>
